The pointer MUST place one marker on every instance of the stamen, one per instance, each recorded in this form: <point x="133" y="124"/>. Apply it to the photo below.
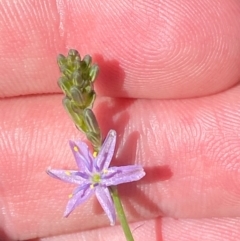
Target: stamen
<point x="75" y="148"/>
<point x="68" y="173"/>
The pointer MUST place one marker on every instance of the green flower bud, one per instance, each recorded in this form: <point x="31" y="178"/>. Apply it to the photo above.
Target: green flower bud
<point x="95" y="139"/>
<point x="91" y="122"/>
<point x="66" y="71"/>
<point x="77" y="118"/>
<point x="93" y="72"/>
<point x="61" y="60"/>
<point x="73" y="55"/>
<point x="76" y="108"/>
<point x="87" y="60"/>
<point x="77" y="79"/>
<point x="65" y="85"/>
<point x="76" y="65"/>
<point x="89" y="97"/>
<point x="77" y="96"/>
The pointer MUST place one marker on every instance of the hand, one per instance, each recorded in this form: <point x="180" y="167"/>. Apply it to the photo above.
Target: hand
<point x="168" y="84"/>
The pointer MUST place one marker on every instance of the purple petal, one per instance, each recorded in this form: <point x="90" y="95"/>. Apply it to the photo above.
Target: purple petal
<point x="104" y="198"/>
<point x="123" y="174"/>
<point x="79" y="195"/>
<point x="66" y="175"/>
<point x="82" y="156"/>
<point x="106" y="153"/>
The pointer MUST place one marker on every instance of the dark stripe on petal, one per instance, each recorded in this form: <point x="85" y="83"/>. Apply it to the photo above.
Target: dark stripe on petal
<point x="106" y="153"/>
<point x="80" y="195"/>
<point x="122" y="174"/>
<point x="82" y="155"/>
<point x="105" y="199"/>
<point x="65" y="175"/>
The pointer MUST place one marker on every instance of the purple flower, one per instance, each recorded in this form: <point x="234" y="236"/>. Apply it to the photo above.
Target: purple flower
<point x="95" y="176"/>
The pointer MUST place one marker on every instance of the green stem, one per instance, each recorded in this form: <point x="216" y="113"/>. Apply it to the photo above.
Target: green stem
<point x="120" y="213"/>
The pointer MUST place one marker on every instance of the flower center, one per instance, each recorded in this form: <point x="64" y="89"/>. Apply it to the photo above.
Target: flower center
<point x="96" y="178"/>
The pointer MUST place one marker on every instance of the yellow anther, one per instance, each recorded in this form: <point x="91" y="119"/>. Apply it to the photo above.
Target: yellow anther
<point x="105" y="171"/>
<point x="95" y="154"/>
<point x="68" y="173"/>
<point x="75" y="148"/>
<point x="91" y="186"/>
<point x="70" y="196"/>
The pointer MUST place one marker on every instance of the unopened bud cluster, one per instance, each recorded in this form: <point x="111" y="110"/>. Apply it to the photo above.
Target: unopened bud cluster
<point x="76" y="83"/>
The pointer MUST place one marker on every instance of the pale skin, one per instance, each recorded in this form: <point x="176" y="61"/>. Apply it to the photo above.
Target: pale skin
<point x="168" y="84"/>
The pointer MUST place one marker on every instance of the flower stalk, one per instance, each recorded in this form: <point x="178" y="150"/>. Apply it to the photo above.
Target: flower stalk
<point x="120" y="213"/>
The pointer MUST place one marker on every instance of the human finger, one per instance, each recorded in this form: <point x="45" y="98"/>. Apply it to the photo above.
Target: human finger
<point x="145" y="49"/>
<point x="164" y="229"/>
<point x="189" y="149"/>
